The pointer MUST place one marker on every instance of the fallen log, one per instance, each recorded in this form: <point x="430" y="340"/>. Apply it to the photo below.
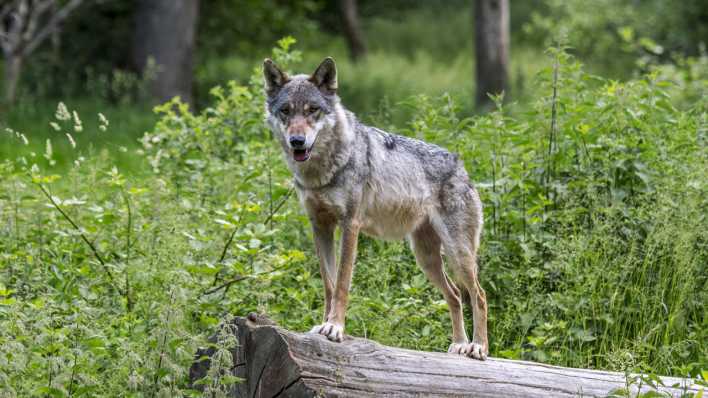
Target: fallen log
<point x="274" y="362"/>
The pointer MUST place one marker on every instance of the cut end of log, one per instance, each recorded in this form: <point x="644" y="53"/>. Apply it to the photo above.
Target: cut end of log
<point x="274" y="362"/>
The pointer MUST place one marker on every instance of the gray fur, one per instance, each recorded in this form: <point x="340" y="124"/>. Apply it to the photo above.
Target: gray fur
<point x="389" y="186"/>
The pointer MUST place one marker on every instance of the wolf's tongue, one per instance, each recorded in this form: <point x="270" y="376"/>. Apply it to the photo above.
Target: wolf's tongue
<point x="300" y="155"/>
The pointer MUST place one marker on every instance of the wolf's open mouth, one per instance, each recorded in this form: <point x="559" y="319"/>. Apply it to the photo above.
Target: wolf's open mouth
<point x="301" y="155"/>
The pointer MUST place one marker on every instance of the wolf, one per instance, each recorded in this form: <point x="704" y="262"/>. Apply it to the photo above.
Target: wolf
<point x="364" y="180"/>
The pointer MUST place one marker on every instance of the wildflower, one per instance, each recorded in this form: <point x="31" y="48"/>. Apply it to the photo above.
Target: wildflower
<point x="77" y="123"/>
<point x="62" y="112"/>
<point x="55" y="126"/>
<point x="102" y="119"/>
<point x="71" y="140"/>
<point x="48" y="152"/>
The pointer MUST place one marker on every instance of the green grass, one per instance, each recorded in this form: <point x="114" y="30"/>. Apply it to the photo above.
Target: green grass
<point x="424" y="51"/>
<point x="381" y="81"/>
<point x="127" y="123"/>
<point x="594" y="253"/>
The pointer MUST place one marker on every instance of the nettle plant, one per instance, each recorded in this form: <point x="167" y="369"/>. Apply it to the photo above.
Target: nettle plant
<point x="594" y="245"/>
<point x="593" y="217"/>
<point x="110" y="280"/>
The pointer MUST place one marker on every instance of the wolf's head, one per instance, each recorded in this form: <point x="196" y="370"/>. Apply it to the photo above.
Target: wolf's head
<point x="301" y="107"/>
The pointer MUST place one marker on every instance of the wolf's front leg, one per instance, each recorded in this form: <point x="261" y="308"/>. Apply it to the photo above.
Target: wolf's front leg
<point x="333" y="327"/>
<point x="323" y="234"/>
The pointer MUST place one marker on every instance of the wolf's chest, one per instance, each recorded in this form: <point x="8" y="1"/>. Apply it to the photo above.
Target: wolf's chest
<point x="326" y="207"/>
<point x="384" y="212"/>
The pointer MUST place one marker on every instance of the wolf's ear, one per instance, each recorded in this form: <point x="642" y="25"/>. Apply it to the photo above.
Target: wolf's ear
<point x="275" y="79"/>
<point x="325" y="76"/>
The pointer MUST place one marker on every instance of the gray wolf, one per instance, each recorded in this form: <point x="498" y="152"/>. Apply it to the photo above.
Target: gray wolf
<point x="362" y="179"/>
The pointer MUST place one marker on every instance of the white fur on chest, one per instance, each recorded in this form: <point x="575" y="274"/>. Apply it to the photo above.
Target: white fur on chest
<point x="388" y="210"/>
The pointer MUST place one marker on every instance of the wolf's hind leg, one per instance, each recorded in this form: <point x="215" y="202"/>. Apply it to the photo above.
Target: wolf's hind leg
<point x="460" y="237"/>
<point x="425" y="243"/>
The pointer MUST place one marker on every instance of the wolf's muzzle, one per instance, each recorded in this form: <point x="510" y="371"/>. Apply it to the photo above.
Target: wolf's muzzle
<point x="297" y="141"/>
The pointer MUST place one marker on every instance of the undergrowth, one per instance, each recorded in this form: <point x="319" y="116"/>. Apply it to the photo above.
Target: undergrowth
<point x="594" y="250"/>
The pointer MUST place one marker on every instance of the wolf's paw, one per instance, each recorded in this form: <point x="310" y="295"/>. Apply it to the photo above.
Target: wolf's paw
<point x="476" y="351"/>
<point x="458" y="348"/>
<point x="472" y="350"/>
<point x="333" y="331"/>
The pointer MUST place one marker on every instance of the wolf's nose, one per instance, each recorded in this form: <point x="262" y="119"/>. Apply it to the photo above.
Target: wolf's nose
<point x="297" y="141"/>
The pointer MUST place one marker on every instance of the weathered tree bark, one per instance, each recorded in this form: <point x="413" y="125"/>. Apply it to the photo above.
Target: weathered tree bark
<point x="352" y="29"/>
<point x="275" y="362"/>
<point x="165" y="32"/>
<point x="491" y="27"/>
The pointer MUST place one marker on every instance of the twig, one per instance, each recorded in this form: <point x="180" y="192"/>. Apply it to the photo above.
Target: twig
<point x="83" y="237"/>
<point x="267" y="220"/>
<point x="230" y="240"/>
<point x="240" y="278"/>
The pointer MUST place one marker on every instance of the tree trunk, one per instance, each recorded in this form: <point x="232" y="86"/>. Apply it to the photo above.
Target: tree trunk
<point x="352" y="29"/>
<point x="274" y="362"/>
<point x="13" y="67"/>
<point x="165" y="32"/>
<point x="491" y="26"/>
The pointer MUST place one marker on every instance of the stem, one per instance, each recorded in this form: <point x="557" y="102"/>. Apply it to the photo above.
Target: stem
<point x="494" y="194"/>
<point x="162" y="348"/>
<point x="239" y="278"/>
<point x="267" y="220"/>
<point x="83" y="237"/>
<point x="523" y="203"/>
<point x="550" y="164"/>
<point x="552" y="137"/>
<point x="49" y="365"/>
<point x="270" y="195"/>
<point x="129" y="227"/>
<point x="230" y="240"/>
<point x="73" y="376"/>
<point x="17" y="214"/>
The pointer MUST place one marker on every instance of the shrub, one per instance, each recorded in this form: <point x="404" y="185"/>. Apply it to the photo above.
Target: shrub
<point x="594" y="254"/>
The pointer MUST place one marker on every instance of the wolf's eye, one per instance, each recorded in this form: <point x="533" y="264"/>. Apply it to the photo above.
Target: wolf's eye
<point x="285" y="111"/>
<point x="313" y="110"/>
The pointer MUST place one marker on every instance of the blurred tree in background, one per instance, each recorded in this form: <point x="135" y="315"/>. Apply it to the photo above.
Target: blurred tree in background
<point x="24" y="26"/>
<point x="104" y="44"/>
<point x="352" y="28"/>
<point x="164" y="38"/>
<point x="491" y="32"/>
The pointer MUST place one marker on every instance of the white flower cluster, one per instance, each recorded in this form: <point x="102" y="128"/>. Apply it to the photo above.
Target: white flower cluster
<point x="103" y="122"/>
<point x="17" y="134"/>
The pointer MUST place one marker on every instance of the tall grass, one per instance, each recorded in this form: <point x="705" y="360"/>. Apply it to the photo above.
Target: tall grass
<point x="120" y="138"/>
<point x="594" y="250"/>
